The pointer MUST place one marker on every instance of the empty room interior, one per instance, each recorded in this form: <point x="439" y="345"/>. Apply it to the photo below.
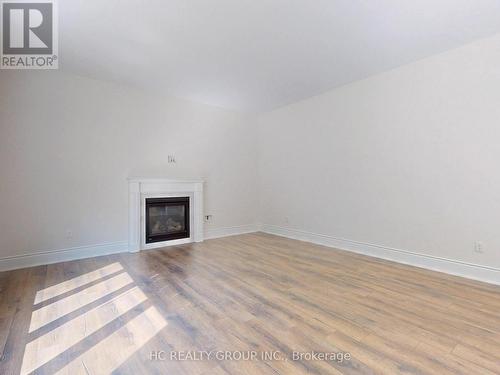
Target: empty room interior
<point x="218" y="187"/>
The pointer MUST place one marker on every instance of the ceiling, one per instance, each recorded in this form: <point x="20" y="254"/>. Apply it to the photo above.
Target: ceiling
<point x="256" y="55"/>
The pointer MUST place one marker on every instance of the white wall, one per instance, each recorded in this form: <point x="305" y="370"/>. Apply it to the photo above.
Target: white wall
<point x="408" y="159"/>
<point x="68" y="144"/>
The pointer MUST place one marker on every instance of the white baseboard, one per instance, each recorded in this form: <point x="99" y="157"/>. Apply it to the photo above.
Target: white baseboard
<point x="231" y="231"/>
<point x="471" y="271"/>
<point x="63" y="255"/>
<point x="453" y="267"/>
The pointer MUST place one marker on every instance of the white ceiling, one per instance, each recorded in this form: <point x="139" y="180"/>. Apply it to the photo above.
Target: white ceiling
<point x="255" y="55"/>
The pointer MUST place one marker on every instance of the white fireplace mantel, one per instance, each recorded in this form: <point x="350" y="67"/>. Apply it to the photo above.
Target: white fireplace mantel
<point x="142" y="188"/>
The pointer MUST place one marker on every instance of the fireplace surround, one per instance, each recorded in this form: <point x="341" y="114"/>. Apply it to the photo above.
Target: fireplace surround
<point x="164" y="212"/>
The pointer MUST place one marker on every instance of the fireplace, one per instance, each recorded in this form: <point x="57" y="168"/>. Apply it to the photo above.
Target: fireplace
<point x="144" y="191"/>
<point x="167" y="219"/>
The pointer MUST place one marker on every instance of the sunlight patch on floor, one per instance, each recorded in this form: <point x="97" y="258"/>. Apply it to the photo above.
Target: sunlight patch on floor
<point x="47" y="347"/>
<point x="110" y="353"/>
<point x="68" y="285"/>
<point x="56" y="310"/>
<point x="103" y="330"/>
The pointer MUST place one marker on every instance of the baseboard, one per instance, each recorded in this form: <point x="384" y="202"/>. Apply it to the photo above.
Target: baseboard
<point x="231" y="231"/>
<point x="471" y="271"/>
<point x="63" y="255"/>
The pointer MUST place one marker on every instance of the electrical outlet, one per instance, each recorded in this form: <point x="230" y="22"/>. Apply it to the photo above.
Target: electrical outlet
<point x="208" y="218"/>
<point x="69" y="235"/>
<point x="478" y="247"/>
<point x="287" y="220"/>
<point x="171" y="159"/>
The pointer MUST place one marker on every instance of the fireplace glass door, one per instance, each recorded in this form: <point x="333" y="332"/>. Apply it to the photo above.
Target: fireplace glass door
<point x="167" y="219"/>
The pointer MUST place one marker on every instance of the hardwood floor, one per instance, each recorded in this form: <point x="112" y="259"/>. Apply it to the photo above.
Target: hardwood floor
<point x="253" y="294"/>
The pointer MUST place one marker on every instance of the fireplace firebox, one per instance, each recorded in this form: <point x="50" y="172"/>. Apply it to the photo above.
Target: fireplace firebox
<point x="167" y="219"/>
